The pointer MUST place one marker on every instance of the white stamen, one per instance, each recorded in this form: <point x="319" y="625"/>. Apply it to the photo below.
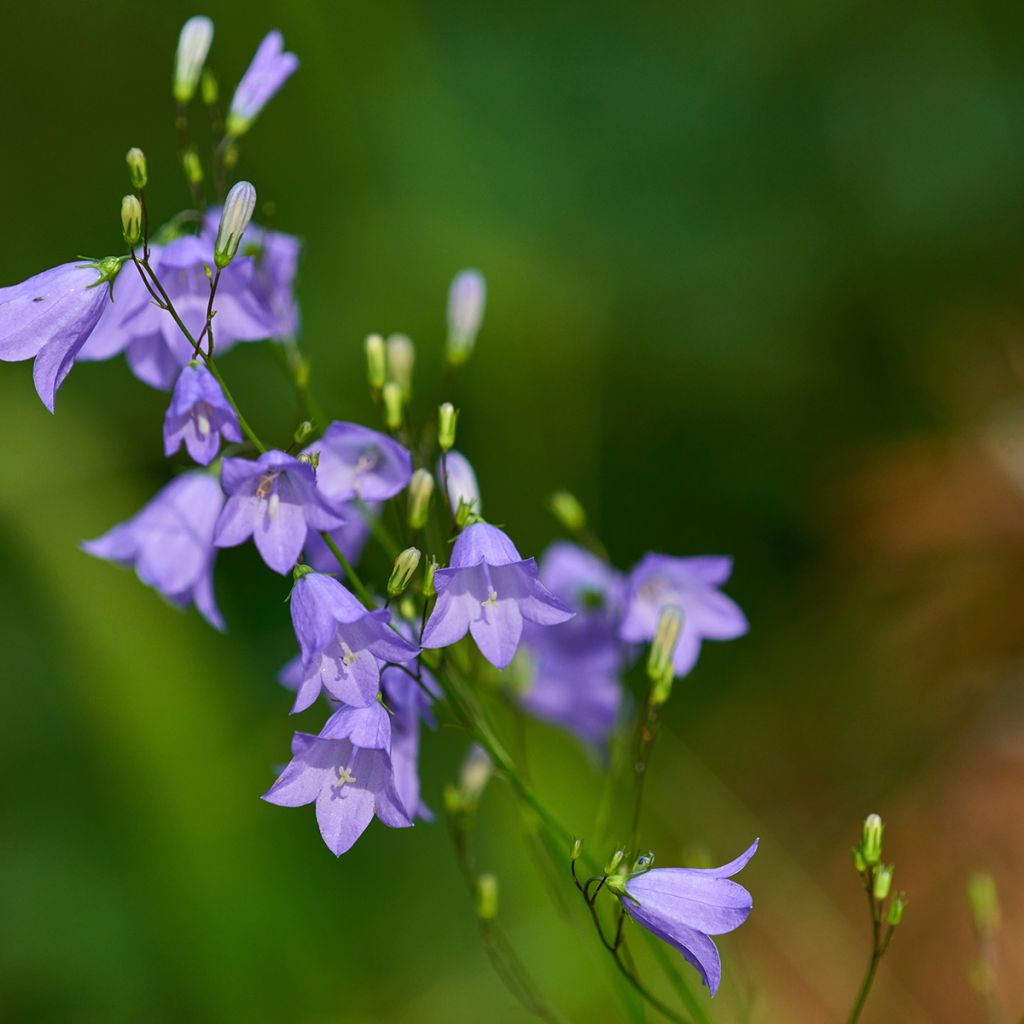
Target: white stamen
<point x="273" y="503"/>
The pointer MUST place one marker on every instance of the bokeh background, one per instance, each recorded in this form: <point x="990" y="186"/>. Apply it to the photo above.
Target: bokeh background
<point x="755" y="280"/>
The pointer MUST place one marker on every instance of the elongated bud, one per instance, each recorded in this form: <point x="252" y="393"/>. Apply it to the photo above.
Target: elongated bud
<point x="429" y="590"/>
<point x="575" y="849"/>
<point x="895" y="912"/>
<point x="883" y="881"/>
<point x="643" y="863"/>
<point x="466" y="299"/>
<point x="208" y="88"/>
<point x="660" y="667"/>
<point x="303" y="432"/>
<point x="376" y="365"/>
<point x="447" y="417"/>
<point x="136" y="161"/>
<point x="421" y="489"/>
<point x="614" y="861"/>
<point x="131" y="220"/>
<point x="460" y="482"/>
<point x="401" y="358"/>
<point x="193" y="46"/>
<point x="192" y="166"/>
<point x="392" y="396"/>
<point x="474" y="775"/>
<point x="487" y="897"/>
<point x="568" y="511"/>
<point x="452" y="797"/>
<point x="984" y="901"/>
<point x="859" y="863"/>
<point x="406" y="563"/>
<point x="871" y="846"/>
<point x="234" y="219"/>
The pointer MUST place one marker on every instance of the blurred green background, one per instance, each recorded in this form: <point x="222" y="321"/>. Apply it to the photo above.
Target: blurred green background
<point x="754" y="287"/>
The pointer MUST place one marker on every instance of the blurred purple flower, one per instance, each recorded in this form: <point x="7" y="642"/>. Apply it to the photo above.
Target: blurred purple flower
<point x="690" y="584"/>
<point x="357" y="462"/>
<point x="170" y="542"/>
<point x="351" y="538"/>
<point x="199" y="415"/>
<point x="49" y="318"/>
<point x="274" y="500"/>
<point x="488" y="590"/>
<point x="459" y="481"/>
<point x="269" y="70"/>
<point x="685" y="906"/>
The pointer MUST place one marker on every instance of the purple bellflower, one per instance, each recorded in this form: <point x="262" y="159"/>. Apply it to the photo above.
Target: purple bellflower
<point x="152" y="342"/>
<point x="274" y="500"/>
<point x="199" y="415"/>
<point x="407" y="701"/>
<point x="488" y="590"/>
<point x="459" y="481"/>
<point x="170" y="542"/>
<point x="50" y="316"/>
<point x="658" y="581"/>
<point x="577" y="664"/>
<point x="357" y="462"/>
<point x="351" y="538"/>
<point x="269" y="70"/>
<point x="685" y="906"/>
<point x="342" y="643"/>
<point x="349" y="782"/>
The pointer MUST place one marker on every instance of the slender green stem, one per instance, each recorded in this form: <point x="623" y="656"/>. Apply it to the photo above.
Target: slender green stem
<point x="358" y="586"/>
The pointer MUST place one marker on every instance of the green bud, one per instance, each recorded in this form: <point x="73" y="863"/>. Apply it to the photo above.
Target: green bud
<point x="234" y="219"/>
<point x="392" y="395"/>
<point x="464" y="514"/>
<point x="193" y="168"/>
<point x="303" y="432"/>
<point x="474" y="775"/>
<point x="401" y="358"/>
<point x="487" y="897"/>
<point x="429" y="590"/>
<point x="208" y="87"/>
<point x="616" y="884"/>
<point x="453" y="804"/>
<point x="421" y="490"/>
<point x="895" y="913"/>
<point x="984" y="901"/>
<point x="568" y="511"/>
<point x="660" y="658"/>
<point x="883" y="881"/>
<point x="871" y="846"/>
<point x="376" y="365"/>
<point x="575" y="849"/>
<point x="301" y="570"/>
<point x="859" y="862"/>
<point x="406" y="563"/>
<point x="614" y="861"/>
<point x="136" y="161"/>
<point x="131" y="220"/>
<point x="447" y="417"/>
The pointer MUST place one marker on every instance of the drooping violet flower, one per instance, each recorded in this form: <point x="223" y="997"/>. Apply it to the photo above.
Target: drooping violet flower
<point x="170" y="543"/>
<point x="274" y="500"/>
<point x="488" y="590"/>
<point x="466" y="298"/>
<point x="269" y="70"/>
<point x="357" y="462"/>
<point x="351" y="538"/>
<point x="50" y="316"/>
<point x="690" y="584"/>
<point x="456" y="474"/>
<point x="199" y="415"/>
<point x="342" y="643"/>
<point x="349" y="784"/>
<point x="576" y="665"/>
<point x="409" y="704"/>
<point x="685" y="906"/>
<point x="153" y="344"/>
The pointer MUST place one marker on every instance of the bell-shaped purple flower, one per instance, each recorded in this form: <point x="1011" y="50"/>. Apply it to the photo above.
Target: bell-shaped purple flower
<point x="357" y="462"/>
<point x="49" y="318"/>
<point x="271" y="67"/>
<point x="351" y="538"/>
<point x="199" y="415"/>
<point x="170" y="542"/>
<point x="342" y="643"/>
<point x="691" y="584"/>
<point x="488" y="590"/>
<point x="685" y="906"/>
<point x="348" y="782"/>
<point x="274" y="500"/>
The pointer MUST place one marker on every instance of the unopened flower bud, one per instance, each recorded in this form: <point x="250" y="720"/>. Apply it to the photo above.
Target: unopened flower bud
<point x="421" y="489"/>
<point x="575" y="849"/>
<point x="859" y="863"/>
<point x="392" y="396"/>
<point x="376" y="365"/>
<point x="406" y="563"/>
<point x="452" y="797"/>
<point x="429" y="590"/>
<point x="883" y="881"/>
<point x="474" y="775"/>
<point x="660" y="659"/>
<point x="871" y="846"/>
<point x="614" y="861"/>
<point x="136" y="161"/>
<point x="984" y="901"/>
<point x="568" y="511"/>
<point x="447" y="417"/>
<point x="234" y="219"/>
<point x="131" y="220"/>
<point x="208" y="88"/>
<point x="401" y="358"/>
<point x="193" y="46"/>
<point x="643" y="863"/>
<point x="303" y="432"/>
<point x="895" y="912"/>
<point x="192" y="166"/>
<point x="487" y="897"/>
<point x="460" y="483"/>
<point x="466" y="298"/>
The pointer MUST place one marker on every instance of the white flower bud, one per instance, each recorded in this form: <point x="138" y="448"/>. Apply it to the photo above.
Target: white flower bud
<point x="401" y="357"/>
<point x="131" y="220"/>
<point x="136" y="161"/>
<point x="406" y="563"/>
<point x="234" y="219"/>
<point x="392" y="395"/>
<point x="193" y="46"/>
<point x="660" y="668"/>
<point x="466" y="298"/>
<point x="376" y="366"/>
<point x="460" y="482"/>
<point x="421" y="489"/>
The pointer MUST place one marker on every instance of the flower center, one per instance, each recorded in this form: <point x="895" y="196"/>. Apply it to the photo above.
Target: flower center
<point x="347" y="654"/>
<point x="201" y="413"/>
<point x="492" y="600"/>
<point x="344" y="775"/>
